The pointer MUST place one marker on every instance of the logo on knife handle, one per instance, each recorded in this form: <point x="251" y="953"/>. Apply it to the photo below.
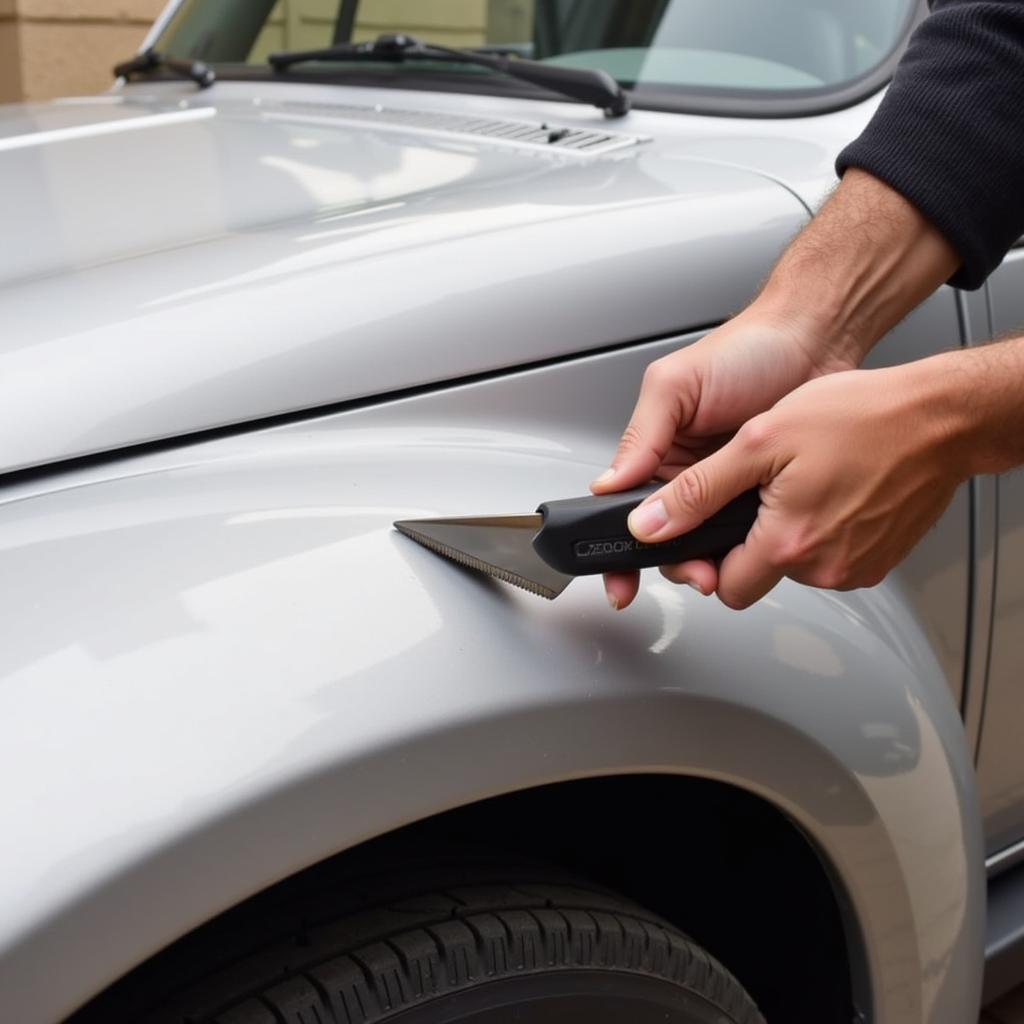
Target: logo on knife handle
<point x="618" y="546"/>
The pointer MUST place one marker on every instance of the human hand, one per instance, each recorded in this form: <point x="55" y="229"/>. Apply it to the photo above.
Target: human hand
<point x="863" y="262"/>
<point x="853" y="469"/>
<point x="692" y="401"/>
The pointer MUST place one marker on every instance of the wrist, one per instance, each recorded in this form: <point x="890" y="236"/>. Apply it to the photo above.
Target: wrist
<point x="934" y="410"/>
<point x="864" y="262"/>
<point x="829" y="341"/>
<point x="970" y="401"/>
<point x="986" y="382"/>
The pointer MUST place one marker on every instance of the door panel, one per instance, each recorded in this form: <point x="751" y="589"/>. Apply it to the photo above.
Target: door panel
<point x="1001" y="755"/>
<point x="935" y="574"/>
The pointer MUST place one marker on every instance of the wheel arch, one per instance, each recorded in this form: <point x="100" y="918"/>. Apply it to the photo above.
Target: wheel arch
<point x="845" y="833"/>
<point x="722" y="864"/>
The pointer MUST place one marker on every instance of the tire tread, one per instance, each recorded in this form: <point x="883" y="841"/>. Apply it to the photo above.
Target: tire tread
<point x="373" y="964"/>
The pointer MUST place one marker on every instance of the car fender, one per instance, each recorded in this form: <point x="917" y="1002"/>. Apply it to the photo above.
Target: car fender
<point x="223" y="665"/>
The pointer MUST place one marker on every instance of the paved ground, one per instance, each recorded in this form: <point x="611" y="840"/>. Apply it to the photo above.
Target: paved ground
<point x="1009" y="1010"/>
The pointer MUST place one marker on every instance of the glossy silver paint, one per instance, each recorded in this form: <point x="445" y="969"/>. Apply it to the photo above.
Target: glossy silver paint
<point x="974" y="309"/>
<point x="455" y="254"/>
<point x="1001" y="761"/>
<point x="210" y="650"/>
<point x="239" y="644"/>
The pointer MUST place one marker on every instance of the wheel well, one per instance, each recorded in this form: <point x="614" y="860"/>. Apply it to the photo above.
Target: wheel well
<point x="723" y="865"/>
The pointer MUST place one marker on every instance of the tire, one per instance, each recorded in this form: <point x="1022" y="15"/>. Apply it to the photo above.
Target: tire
<point x="478" y="953"/>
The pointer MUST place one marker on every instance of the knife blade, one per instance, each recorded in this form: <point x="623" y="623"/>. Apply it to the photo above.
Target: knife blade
<point x="543" y="551"/>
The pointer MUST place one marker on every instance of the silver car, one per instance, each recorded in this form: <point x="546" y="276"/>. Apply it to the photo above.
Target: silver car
<point x="265" y="759"/>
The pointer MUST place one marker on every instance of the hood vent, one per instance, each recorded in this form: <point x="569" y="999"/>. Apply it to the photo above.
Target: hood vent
<point x="534" y="135"/>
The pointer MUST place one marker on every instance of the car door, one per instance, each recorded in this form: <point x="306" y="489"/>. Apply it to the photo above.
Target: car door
<point x="1001" y="748"/>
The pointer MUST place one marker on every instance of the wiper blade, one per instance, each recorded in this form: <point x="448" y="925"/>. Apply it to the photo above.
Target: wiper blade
<point x="149" y="60"/>
<point x="587" y="84"/>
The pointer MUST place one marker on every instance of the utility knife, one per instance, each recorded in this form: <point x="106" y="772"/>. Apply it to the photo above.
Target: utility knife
<point x="543" y="551"/>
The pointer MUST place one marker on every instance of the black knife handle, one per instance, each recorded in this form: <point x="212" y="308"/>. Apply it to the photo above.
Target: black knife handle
<point x="588" y="535"/>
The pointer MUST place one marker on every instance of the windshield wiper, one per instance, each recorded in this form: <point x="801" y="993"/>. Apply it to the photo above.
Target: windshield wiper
<point x="588" y="84"/>
<point x="149" y="60"/>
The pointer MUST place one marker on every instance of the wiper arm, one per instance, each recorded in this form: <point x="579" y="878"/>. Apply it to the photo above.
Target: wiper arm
<point x="590" y="85"/>
<point x="149" y="60"/>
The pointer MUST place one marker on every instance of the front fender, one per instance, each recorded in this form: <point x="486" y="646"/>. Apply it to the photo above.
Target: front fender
<point x="222" y="665"/>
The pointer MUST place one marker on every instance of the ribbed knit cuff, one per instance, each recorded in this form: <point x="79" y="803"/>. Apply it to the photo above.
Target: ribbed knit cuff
<point x="949" y="134"/>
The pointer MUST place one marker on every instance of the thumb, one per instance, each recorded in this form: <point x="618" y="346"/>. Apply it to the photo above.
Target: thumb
<point x="699" y="491"/>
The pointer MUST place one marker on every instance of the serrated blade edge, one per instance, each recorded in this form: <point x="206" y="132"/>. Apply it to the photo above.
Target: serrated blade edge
<point x="408" y="528"/>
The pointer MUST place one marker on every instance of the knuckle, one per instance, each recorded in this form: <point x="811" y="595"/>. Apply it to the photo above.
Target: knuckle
<point x="795" y="549"/>
<point x="670" y="572"/>
<point x="784" y="555"/>
<point x="831" y="576"/>
<point x="691" y="490"/>
<point x="735" y="601"/>
<point x="857" y="579"/>
<point x="873" y="578"/>
<point x="655" y="374"/>
<point x="757" y="432"/>
<point x="632" y="440"/>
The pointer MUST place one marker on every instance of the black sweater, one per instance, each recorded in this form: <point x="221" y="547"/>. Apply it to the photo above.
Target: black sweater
<point x="949" y="134"/>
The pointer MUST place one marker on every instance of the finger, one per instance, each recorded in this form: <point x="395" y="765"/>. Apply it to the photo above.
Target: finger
<point x="701" y="575"/>
<point x="620" y="588"/>
<point x="700" y="490"/>
<point x="749" y="571"/>
<point x="647" y="438"/>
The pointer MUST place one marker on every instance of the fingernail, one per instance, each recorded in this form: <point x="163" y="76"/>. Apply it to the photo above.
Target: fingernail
<point x="604" y="477"/>
<point x="613" y="601"/>
<point x="647" y="519"/>
<point x="697" y="587"/>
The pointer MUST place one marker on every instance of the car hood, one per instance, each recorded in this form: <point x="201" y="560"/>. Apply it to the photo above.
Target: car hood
<point x="176" y="262"/>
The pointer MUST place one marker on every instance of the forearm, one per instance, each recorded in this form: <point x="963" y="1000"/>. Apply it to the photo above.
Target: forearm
<point x="978" y="397"/>
<point x="863" y="263"/>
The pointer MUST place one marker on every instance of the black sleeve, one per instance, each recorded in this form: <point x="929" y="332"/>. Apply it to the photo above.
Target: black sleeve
<point x="949" y="134"/>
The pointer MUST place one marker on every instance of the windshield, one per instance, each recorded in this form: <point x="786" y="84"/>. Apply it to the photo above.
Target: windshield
<point x="761" y="47"/>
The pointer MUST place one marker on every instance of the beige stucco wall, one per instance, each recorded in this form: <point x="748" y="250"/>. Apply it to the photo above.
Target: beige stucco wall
<point x="67" y="47"/>
<point x="300" y="24"/>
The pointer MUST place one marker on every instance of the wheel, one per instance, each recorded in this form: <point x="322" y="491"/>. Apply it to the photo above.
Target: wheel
<point x="477" y="953"/>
